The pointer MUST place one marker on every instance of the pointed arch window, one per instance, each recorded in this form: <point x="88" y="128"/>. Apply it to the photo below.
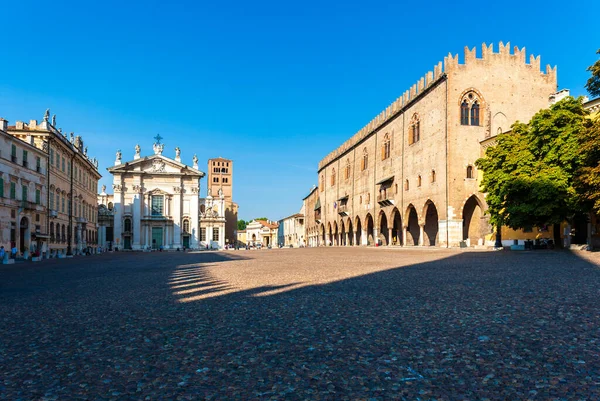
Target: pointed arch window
<point x="332" y="177"/>
<point x="470" y="105"/>
<point x="419" y="181"/>
<point x="464" y="113"/>
<point x="186" y="226"/>
<point x="406" y="185"/>
<point x="414" y="131"/>
<point x="347" y="171"/>
<point x="475" y="113"/>
<point x="386" y="148"/>
<point x="365" y="160"/>
<point x="432" y="176"/>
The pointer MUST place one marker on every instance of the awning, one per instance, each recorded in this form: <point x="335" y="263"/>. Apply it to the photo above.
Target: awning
<point x="345" y="197"/>
<point x="318" y="204"/>
<point x="387" y="179"/>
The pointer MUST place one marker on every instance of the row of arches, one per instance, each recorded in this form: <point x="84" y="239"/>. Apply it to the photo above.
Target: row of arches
<point x="59" y="234"/>
<point x="409" y="229"/>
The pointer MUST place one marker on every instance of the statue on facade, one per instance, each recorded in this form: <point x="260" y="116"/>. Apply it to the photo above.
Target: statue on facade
<point x="54" y="120"/>
<point x="220" y="192"/>
<point x="103" y="188"/>
<point x="72" y="137"/>
<point x="119" y="155"/>
<point x="177" y="152"/>
<point x="195" y="159"/>
<point x="137" y="149"/>
<point x="85" y="151"/>
<point x="208" y="192"/>
<point x="47" y="115"/>
<point x="158" y="148"/>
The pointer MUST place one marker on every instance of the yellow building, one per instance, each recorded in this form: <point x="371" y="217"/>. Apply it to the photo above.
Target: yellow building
<point x="72" y="181"/>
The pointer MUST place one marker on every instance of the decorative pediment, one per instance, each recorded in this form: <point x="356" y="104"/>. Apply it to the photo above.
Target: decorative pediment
<point x="155" y="164"/>
<point x="158" y="191"/>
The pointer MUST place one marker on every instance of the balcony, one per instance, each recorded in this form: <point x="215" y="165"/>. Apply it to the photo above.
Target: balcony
<point x="385" y="199"/>
<point x="26" y="205"/>
<point x="343" y="209"/>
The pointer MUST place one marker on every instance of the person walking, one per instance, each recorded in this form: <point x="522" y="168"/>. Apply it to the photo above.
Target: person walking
<point x="2" y="253"/>
<point x="13" y="251"/>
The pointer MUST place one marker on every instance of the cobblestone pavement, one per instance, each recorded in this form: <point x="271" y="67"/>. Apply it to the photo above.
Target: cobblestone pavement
<point x="302" y="324"/>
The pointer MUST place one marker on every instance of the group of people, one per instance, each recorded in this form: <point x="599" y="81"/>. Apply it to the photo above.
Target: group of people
<point x="13" y="252"/>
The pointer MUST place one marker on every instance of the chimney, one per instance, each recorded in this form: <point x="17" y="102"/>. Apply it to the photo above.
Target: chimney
<point x="3" y="124"/>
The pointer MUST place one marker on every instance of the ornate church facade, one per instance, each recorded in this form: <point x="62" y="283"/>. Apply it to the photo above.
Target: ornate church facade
<point x="156" y="204"/>
<point x="409" y="176"/>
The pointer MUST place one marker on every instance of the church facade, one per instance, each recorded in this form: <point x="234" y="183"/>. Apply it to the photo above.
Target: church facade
<point x="156" y="204"/>
<point x="409" y="176"/>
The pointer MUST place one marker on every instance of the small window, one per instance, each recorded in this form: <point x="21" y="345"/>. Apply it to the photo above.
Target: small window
<point x="202" y="233"/>
<point x="347" y="171"/>
<point x="186" y="226"/>
<point x="464" y="113"/>
<point x="13" y="152"/>
<point x="396" y="188"/>
<point x="418" y="181"/>
<point x="432" y="175"/>
<point x="470" y="172"/>
<point x="406" y="185"/>
<point x="215" y="179"/>
<point x="414" y="133"/>
<point x="360" y="200"/>
<point x="333" y="177"/>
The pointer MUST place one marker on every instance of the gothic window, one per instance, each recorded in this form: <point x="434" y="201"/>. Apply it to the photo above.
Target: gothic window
<point x="333" y="177"/>
<point x="386" y="148"/>
<point x="347" y="173"/>
<point x="414" y="130"/>
<point x="470" y="105"/>
<point x="475" y="113"/>
<point x="419" y="181"/>
<point x="186" y="226"/>
<point x="365" y="160"/>
<point x="406" y="185"/>
<point x="127" y="225"/>
<point x="157" y="205"/>
<point x="470" y="172"/>
<point x="464" y="113"/>
<point x="432" y="175"/>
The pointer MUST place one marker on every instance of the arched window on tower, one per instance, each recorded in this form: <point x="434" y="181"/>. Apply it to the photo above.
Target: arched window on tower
<point x="365" y="160"/>
<point x="386" y="148"/>
<point x="347" y="172"/>
<point x="470" y="105"/>
<point x="414" y="132"/>
<point x="464" y="113"/>
<point x="332" y="177"/>
<point x="475" y="113"/>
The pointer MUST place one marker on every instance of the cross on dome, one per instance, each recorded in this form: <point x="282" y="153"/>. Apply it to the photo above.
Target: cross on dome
<point x="158" y="138"/>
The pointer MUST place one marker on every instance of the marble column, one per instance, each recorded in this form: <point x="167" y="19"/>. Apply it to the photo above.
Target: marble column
<point x="421" y="234"/>
<point x="390" y="236"/>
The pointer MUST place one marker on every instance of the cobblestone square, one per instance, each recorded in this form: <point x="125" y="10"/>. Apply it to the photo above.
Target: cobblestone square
<point x="302" y="324"/>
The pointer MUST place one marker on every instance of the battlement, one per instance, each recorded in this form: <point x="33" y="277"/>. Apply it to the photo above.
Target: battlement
<point x="431" y="78"/>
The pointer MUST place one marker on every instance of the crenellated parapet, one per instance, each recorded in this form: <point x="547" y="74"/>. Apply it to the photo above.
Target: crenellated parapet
<point x="449" y="65"/>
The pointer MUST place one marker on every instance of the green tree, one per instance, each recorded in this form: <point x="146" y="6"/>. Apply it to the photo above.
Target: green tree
<point x="261" y="218"/>
<point x="529" y="175"/>
<point x="588" y="178"/>
<point x="593" y="83"/>
<point x="241" y="225"/>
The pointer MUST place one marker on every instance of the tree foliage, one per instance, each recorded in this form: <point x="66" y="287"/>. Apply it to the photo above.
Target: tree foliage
<point x="593" y="83"/>
<point x="241" y="225"/>
<point x="588" y="179"/>
<point x="529" y="176"/>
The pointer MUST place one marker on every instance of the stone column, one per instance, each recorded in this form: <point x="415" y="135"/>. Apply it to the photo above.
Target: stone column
<point x="390" y="236"/>
<point x="375" y="238"/>
<point x="421" y="234"/>
<point x="404" y="233"/>
<point x="354" y="238"/>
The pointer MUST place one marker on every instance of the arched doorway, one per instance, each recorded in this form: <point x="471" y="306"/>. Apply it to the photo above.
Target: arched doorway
<point x="431" y="224"/>
<point x="336" y="235"/>
<point x="329" y="235"/>
<point x="358" y="232"/>
<point x="370" y="226"/>
<point x="413" y="232"/>
<point x="24" y="235"/>
<point x="342" y="233"/>
<point x="350" y="233"/>
<point x="396" y="227"/>
<point x="472" y="221"/>
<point x="384" y="234"/>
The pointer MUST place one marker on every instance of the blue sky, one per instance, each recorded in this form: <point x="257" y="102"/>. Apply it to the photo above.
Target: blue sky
<point x="273" y="85"/>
